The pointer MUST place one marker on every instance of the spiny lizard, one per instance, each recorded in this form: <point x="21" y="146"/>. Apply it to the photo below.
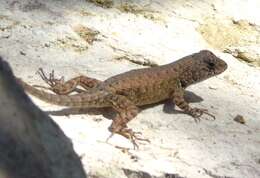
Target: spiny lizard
<point x="126" y="91"/>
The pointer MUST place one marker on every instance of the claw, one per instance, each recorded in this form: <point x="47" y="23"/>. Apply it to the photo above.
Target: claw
<point x="197" y="119"/>
<point x="110" y="136"/>
<point x="44" y="77"/>
<point x="197" y="113"/>
<point x="51" y="81"/>
<point x="211" y="115"/>
<point x="131" y="135"/>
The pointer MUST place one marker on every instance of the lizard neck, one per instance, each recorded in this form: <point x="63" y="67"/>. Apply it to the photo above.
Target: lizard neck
<point x="186" y="78"/>
<point x="187" y="74"/>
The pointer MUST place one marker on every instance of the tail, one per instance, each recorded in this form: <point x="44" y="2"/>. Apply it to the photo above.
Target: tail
<point x="86" y="99"/>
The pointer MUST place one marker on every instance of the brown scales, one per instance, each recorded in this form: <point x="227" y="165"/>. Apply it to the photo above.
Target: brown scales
<point x="126" y="91"/>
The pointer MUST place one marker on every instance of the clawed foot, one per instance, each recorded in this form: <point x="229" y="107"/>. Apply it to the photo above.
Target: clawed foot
<point x="51" y="80"/>
<point x="196" y="113"/>
<point x="131" y="135"/>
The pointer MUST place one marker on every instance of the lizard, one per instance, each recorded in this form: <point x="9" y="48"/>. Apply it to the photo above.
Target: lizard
<point x="127" y="91"/>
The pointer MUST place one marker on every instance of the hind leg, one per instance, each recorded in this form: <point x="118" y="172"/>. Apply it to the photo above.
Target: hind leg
<point x="61" y="87"/>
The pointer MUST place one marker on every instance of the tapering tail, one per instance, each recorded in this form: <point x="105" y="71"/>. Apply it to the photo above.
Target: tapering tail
<point x="86" y="99"/>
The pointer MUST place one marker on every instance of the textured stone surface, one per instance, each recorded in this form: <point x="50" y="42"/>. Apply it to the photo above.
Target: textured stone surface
<point x="46" y="34"/>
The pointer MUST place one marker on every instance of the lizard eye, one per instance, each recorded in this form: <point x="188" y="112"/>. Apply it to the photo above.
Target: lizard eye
<point x="211" y="65"/>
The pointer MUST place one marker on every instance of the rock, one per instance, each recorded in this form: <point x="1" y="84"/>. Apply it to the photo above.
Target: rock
<point x="136" y="34"/>
<point x="249" y="54"/>
<point x="32" y="145"/>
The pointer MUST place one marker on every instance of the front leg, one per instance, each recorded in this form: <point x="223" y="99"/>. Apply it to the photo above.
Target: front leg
<point x="126" y="112"/>
<point x="178" y="98"/>
<point x="61" y="87"/>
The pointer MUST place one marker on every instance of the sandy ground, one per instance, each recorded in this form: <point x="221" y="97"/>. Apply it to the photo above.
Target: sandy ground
<point x="79" y="37"/>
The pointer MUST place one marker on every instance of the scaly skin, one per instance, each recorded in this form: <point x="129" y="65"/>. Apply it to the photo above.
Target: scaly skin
<point x="126" y="91"/>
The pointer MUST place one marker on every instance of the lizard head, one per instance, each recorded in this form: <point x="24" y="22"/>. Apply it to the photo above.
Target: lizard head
<point x="209" y="63"/>
<point x="204" y="65"/>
